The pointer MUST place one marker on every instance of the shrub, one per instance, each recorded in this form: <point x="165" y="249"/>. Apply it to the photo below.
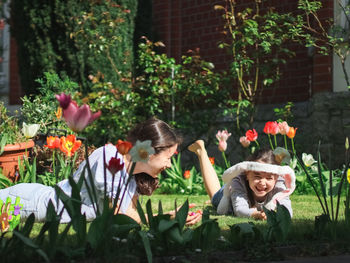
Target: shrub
<point x="74" y="38"/>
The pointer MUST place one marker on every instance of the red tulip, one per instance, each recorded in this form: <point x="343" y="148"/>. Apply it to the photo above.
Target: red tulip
<point x="52" y="142"/>
<point x="212" y="160"/>
<point x="69" y="144"/>
<point x="115" y="165"/>
<point x="251" y="135"/>
<point x="271" y="127"/>
<point x="187" y="174"/>
<point x="123" y="147"/>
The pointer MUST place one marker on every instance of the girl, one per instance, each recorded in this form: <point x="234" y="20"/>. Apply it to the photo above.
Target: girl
<point x="164" y="140"/>
<point x="250" y="185"/>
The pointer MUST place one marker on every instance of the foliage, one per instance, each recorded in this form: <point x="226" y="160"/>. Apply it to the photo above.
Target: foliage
<point x="285" y="113"/>
<point x="256" y="40"/>
<point x="329" y="194"/>
<point x="326" y="35"/>
<point x="43" y="108"/>
<point x="245" y="235"/>
<point x="9" y="128"/>
<point x="74" y="38"/>
<point x="187" y="182"/>
<point x="118" y="111"/>
<point x="182" y="94"/>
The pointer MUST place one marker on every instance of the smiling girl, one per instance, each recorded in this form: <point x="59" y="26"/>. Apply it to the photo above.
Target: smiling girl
<point x="251" y="185"/>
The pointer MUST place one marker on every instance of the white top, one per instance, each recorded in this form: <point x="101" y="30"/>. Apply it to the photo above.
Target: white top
<point x="97" y="169"/>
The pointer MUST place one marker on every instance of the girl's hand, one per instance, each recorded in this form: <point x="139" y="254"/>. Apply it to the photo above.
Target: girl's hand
<point x="259" y="215"/>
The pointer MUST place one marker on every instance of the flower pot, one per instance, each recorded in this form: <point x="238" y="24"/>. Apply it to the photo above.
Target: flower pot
<point x="9" y="158"/>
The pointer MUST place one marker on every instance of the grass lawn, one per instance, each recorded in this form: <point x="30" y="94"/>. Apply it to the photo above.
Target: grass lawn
<point x="305" y="207"/>
<point x="302" y="240"/>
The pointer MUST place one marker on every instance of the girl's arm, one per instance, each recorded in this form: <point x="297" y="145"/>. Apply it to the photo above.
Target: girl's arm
<point x="239" y="198"/>
<point x="280" y="187"/>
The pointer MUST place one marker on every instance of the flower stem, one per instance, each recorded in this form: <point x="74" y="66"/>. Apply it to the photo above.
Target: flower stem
<point x="54" y="166"/>
<point x="275" y="140"/>
<point x="285" y="142"/>
<point x="257" y="144"/>
<point x="293" y="145"/>
<point x="225" y="160"/>
<point x="126" y="187"/>
<point x="270" y="141"/>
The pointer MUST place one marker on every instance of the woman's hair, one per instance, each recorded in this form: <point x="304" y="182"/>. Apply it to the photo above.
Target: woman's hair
<point x="161" y="134"/>
<point x="145" y="184"/>
<point x="265" y="155"/>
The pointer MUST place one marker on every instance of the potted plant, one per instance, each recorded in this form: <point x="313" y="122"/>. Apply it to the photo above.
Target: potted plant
<point x="15" y="142"/>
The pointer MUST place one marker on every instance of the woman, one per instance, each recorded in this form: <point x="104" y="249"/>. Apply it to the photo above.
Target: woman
<point x="164" y="140"/>
<point x="251" y="185"/>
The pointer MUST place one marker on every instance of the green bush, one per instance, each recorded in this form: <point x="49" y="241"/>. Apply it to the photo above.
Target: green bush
<point x="74" y="38"/>
<point x="183" y="94"/>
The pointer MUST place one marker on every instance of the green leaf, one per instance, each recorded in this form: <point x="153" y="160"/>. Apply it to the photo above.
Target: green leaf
<point x="146" y="245"/>
<point x="165" y="225"/>
<point x="141" y="213"/>
<point x="181" y="214"/>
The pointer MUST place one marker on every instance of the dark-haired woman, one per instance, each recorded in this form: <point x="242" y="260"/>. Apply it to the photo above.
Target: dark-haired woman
<point x="249" y="186"/>
<point x="164" y="140"/>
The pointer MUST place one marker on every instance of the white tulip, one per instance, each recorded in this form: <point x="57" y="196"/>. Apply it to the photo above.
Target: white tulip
<point x="308" y="159"/>
<point x="30" y="130"/>
<point x="282" y="156"/>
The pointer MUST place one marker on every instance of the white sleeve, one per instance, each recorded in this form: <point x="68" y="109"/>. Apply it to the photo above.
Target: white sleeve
<point x="99" y="160"/>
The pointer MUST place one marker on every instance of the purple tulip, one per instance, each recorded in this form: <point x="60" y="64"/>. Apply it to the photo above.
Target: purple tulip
<point x="77" y="118"/>
<point x="64" y="100"/>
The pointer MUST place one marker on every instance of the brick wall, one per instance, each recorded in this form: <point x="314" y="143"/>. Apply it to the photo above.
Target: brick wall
<point x="14" y="79"/>
<point x="189" y="24"/>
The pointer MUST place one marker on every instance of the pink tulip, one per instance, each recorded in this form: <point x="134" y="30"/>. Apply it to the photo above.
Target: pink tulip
<point x="222" y="137"/>
<point x="283" y="127"/>
<point x="77" y="118"/>
<point x="244" y="141"/>
<point x="64" y="100"/>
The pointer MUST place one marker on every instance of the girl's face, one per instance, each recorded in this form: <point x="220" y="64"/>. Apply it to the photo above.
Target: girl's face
<point x="261" y="183"/>
<point x="157" y="162"/>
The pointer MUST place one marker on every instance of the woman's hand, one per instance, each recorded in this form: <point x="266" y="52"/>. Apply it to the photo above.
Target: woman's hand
<point x="192" y="217"/>
<point x="259" y="215"/>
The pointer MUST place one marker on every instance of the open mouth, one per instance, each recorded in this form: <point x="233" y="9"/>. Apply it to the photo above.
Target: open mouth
<point x="260" y="190"/>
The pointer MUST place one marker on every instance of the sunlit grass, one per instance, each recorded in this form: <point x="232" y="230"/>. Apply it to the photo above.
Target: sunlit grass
<point x="305" y="209"/>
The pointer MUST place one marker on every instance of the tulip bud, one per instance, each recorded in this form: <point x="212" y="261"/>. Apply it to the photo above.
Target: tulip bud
<point x="347" y="143"/>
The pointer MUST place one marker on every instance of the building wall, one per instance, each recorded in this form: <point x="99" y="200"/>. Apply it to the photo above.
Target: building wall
<point x="189" y="24"/>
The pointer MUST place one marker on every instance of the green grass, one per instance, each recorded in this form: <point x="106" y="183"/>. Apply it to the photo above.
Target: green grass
<point x="305" y="209"/>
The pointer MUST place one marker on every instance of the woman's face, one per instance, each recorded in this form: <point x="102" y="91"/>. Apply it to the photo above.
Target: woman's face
<point x="158" y="162"/>
<point x="261" y="183"/>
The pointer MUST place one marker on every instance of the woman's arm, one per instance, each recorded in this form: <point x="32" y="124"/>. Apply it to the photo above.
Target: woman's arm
<point x="192" y="218"/>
